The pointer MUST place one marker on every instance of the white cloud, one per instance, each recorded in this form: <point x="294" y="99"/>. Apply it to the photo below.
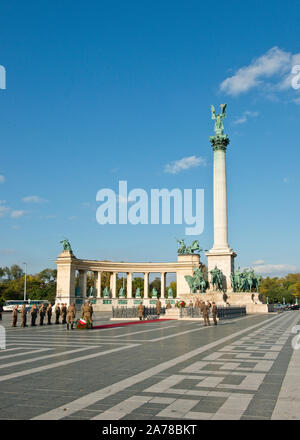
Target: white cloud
<point x="184" y="164"/>
<point x="18" y="214"/>
<point x="2" y="179"/>
<point x="245" y="116"/>
<point x="278" y="269"/>
<point x="7" y="251"/>
<point x="274" y="63"/>
<point x="33" y="199"/>
<point x="258" y="262"/>
<point x="3" y="210"/>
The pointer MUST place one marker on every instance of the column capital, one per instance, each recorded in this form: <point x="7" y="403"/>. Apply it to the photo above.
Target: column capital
<point x="219" y="142"/>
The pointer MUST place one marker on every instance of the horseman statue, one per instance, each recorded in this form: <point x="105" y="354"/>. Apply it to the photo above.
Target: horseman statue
<point x="216" y="278"/>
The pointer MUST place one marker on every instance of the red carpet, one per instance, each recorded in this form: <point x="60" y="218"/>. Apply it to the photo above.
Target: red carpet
<point x="122" y="324"/>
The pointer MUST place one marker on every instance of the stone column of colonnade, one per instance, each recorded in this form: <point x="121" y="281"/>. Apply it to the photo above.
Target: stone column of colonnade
<point x="129" y="285"/>
<point x="98" y="284"/>
<point x="113" y="284"/>
<point x="146" y="285"/>
<point x="162" y="284"/>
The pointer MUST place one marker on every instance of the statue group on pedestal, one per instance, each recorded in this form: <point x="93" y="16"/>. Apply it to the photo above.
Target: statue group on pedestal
<point x="245" y="281"/>
<point x="185" y="250"/>
<point x="197" y="281"/>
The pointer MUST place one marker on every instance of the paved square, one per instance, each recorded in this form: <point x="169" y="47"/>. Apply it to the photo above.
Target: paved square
<point x="240" y="369"/>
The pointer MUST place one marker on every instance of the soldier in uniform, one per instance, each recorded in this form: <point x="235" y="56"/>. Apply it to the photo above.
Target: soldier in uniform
<point x="42" y="314"/>
<point x="23" y="316"/>
<point x="49" y="314"/>
<point x="15" y="316"/>
<point x="1" y="311"/>
<point x="214" y="313"/>
<point x="205" y="313"/>
<point x="33" y="313"/>
<point x="158" y="307"/>
<point x="71" y="314"/>
<point x="191" y="304"/>
<point x="63" y="312"/>
<point x="87" y="313"/>
<point x="141" y="310"/>
<point x="169" y="305"/>
<point x="57" y="313"/>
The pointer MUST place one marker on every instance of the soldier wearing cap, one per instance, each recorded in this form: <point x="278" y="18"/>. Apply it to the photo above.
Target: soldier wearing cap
<point x="71" y="314"/>
<point x="63" y="312"/>
<point x="33" y="313"/>
<point x="214" y="313"/>
<point x="141" y="310"/>
<point x="42" y="312"/>
<point x="23" y="316"/>
<point x="49" y="314"/>
<point x="15" y="316"/>
<point x="57" y="313"/>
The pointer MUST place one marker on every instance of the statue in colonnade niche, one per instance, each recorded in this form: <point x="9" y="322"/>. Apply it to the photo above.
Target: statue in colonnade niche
<point x="122" y="292"/>
<point x="138" y="293"/>
<point x="106" y="292"/>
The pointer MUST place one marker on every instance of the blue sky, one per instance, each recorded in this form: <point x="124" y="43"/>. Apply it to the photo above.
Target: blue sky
<point x="102" y="91"/>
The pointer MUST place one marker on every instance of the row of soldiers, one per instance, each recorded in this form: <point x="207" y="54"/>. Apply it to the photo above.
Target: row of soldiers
<point x="67" y="314"/>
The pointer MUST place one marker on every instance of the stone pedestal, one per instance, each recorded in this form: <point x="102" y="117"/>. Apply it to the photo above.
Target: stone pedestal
<point x="65" y="286"/>
<point x="188" y="262"/>
<point x="224" y="260"/>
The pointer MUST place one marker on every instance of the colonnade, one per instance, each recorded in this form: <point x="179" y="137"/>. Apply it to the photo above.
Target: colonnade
<point x="113" y="283"/>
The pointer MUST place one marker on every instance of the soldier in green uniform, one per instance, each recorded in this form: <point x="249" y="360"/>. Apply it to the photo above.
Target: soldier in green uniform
<point x="205" y="313"/>
<point x="214" y="313"/>
<point x="15" y="316"/>
<point x="87" y="312"/>
<point x="63" y="312"/>
<point x="57" y="313"/>
<point x="42" y="314"/>
<point x="158" y="307"/>
<point x="23" y="316"/>
<point x="49" y="314"/>
<point x="33" y="313"/>
<point x="141" y="310"/>
<point x="71" y="314"/>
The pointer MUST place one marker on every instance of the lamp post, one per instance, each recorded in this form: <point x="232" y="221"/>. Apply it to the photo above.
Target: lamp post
<point x="25" y="264"/>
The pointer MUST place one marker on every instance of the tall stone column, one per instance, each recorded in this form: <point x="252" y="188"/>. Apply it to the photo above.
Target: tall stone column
<point x="129" y="285"/>
<point x="162" y="284"/>
<point x="113" y="284"/>
<point x="220" y="255"/>
<point x="99" y="275"/>
<point x="146" y="285"/>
